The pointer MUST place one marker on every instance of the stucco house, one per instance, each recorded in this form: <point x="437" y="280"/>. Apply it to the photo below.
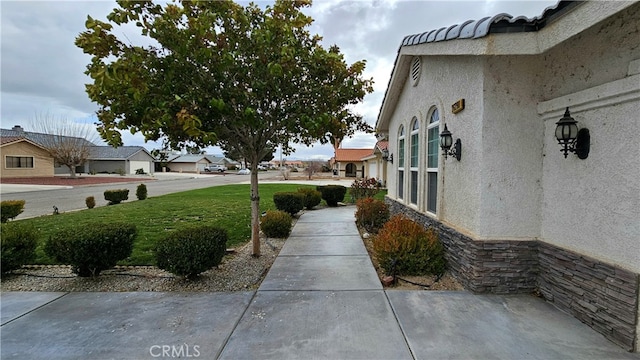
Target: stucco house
<point x="193" y="163"/>
<point x="515" y="213"/>
<point x="349" y="162"/>
<point x="375" y="163"/>
<point x="22" y="157"/>
<point x="126" y="158"/>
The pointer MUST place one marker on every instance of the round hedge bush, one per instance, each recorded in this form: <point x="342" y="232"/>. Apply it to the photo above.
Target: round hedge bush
<point x="89" y="249"/>
<point x="333" y="194"/>
<point x="290" y="202"/>
<point x="312" y="197"/>
<point x="276" y="224"/>
<point x="18" y="246"/>
<point x="190" y="251"/>
<point x="371" y="214"/>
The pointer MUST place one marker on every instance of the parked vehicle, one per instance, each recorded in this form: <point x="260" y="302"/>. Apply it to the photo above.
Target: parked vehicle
<point x="262" y="167"/>
<point x="244" y="172"/>
<point x="215" y="168"/>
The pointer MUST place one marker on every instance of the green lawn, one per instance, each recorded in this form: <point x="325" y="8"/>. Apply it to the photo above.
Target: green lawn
<point x="224" y="206"/>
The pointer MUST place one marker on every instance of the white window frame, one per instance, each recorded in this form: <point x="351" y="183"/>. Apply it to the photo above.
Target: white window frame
<point x="432" y="124"/>
<point x="415" y="132"/>
<point x="401" y="163"/>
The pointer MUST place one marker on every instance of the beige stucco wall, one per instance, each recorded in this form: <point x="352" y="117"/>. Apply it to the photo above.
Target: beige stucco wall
<point x="42" y="162"/>
<point x="443" y="81"/>
<point x="188" y="167"/>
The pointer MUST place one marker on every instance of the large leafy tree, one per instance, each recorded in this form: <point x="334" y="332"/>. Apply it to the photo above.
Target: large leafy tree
<point x="243" y="78"/>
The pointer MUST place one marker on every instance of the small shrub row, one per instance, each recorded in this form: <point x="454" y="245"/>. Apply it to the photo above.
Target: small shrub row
<point x="364" y="188"/>
<point x="9" y="209"/>
<point x="404" y="247"/>
<point x="290" y="202"/>
<point x="371" y="214"/>
<point x="92" y="249"/>
<point x="312" y="197"/>
<point x="18" y="246"/>
<point x="332" y="194"/>
<point x="191" y="251"/>
<point x="116" y="196"/>
<point x="276" y="224"/>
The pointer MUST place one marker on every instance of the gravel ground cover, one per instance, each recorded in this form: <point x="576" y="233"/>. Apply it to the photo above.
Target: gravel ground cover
<point x="237" y="272"/>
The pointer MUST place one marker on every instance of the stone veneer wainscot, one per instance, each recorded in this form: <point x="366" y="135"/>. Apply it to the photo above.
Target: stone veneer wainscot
<point x="601" y="295"/>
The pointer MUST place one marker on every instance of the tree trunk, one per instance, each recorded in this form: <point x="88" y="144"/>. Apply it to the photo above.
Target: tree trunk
<point x="72" y="171"/>
<point x="255" y="210"/>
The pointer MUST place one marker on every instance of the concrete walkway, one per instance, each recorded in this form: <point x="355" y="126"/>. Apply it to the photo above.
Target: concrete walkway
<point x="321" y="299"/>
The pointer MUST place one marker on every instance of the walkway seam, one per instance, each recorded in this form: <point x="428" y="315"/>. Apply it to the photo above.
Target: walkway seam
<point x="395" y="316"/>
<point x="235" y="326"/>
<point x="34" y="309"/>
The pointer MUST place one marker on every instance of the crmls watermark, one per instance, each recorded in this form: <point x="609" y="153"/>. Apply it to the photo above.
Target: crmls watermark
<point x="175" y="351"/>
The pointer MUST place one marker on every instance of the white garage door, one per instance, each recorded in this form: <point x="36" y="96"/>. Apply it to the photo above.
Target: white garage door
<point x="144" y="165"/>
<point x="373" y="169"/>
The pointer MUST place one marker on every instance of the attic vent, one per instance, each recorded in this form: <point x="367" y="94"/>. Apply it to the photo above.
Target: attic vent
<point x="415" y="70"/>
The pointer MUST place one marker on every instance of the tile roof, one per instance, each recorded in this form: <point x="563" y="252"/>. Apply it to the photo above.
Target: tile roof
<point x="9" y="139"/>
<point x="38" y="138"/>
<point x="352" y="154"/>
<point x="501" y="23"/>
<point x="111" y="153"/>
<point x="188" y="158"/>
<point x="382" y="145"/>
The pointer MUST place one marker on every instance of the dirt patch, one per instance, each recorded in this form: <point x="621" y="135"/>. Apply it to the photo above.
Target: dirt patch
<point x="77" y="181"/>
<point x="424" y="282"/>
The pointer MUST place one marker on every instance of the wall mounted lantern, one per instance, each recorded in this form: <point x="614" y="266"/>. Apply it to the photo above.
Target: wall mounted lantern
<point x="386" y="156"/>
<point x="446" y="140"/>
<point x="570" y="138"/>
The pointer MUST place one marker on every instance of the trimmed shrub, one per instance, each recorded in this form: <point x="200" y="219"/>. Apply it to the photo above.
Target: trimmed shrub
<point x="364" y="188"/>
<point x="140" y="171"/>
<point x="191" y="251"/>
<point x="311" y="197"/>
<point x="404" y="247"/>
<point x="141" y="192"/>
<point x="371" y="214"/>
<point x="116" y="196"/>
<point x="18" y="246"/>
<point x="93" y="248"/>
<point x="9" y="209"/>
<point x="332" y="194"/>
<point x="90" y="201"/>
<point x="276" y="224"/>
<point x="290" y="202"/>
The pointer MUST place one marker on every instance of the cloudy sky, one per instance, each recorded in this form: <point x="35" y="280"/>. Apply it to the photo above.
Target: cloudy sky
<point x="42" y="72"/>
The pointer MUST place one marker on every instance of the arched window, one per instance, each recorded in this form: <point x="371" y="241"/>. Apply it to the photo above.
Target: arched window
<point x="433" y="140"/>
<point x="401" y="162"/>
<point x="414" y="160"/>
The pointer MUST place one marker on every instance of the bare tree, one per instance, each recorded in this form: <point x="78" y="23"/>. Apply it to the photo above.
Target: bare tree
<point x="69" y="143"/>
<point x="313" y="168"/>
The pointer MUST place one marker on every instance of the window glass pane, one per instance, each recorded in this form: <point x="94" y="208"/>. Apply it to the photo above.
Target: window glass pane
<point x="19" y="162"/>
<point x="432" y="143"/>
<point x="435" y="117"/>
<point x="432" y="191"/>
<point x="401" y="153"/>
<point x="414" y="187"/>
<point x="414" y="150"/>
<point x="415" y="125"/>
<point x="400" y="184"/>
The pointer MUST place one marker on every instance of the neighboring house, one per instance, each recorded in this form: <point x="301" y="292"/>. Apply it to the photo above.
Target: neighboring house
<point x="376" y="162"/>
<point x="193" y="163"/>
<point x="349" y="162"/>
<point x="515" y="215"/>
<point x="101" y="158"/>
<point x="127" y="159"/>
<point x="22" y="157"/>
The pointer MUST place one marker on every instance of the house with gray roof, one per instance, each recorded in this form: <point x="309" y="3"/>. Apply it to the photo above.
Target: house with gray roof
<point x="515" y="139"/>
<point x="102" y="159"/>
<point x="129" y="159"/>
<point x="193" y="163"/>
